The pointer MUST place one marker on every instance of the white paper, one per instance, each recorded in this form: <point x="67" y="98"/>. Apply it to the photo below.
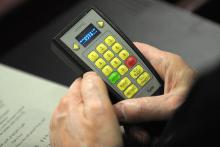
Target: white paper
<point x="26" y="105"/>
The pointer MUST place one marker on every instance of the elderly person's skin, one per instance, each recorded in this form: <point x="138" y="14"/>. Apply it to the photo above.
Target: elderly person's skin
<point x="85" y="116"/>
<point x="178" y="78"/>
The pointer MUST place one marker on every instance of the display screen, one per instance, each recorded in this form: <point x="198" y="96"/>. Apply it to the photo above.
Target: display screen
<point x="88" y="35"/>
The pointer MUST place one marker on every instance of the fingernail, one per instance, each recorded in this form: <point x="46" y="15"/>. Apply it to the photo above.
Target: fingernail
<point x="76" y="80"/>
<point x="87" y="74"/>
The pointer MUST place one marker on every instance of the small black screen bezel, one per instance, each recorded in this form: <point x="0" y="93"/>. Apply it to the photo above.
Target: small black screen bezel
<point x="85" y="32"/>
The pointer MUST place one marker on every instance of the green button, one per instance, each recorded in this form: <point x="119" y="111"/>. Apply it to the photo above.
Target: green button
<point x="114" y="77"/>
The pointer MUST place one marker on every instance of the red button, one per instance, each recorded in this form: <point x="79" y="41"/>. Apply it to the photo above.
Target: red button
<point x="131" y="61"/>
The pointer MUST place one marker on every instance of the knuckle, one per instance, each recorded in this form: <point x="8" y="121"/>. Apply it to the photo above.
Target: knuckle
<point x="174" y="56"/>
<point x="64" y="102"/>
<point x="177" y="57"/>
<point x="96" y="108"/>
<point x="63" y="105"/>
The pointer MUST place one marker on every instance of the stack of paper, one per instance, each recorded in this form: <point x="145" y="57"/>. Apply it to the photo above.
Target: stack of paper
<point x="26" y="105"/>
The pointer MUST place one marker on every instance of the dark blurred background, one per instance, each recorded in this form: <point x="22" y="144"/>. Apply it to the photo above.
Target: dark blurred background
<point x="189" y="28"/>
<point x="34" y="14"/>
<point x="21" y="18"/>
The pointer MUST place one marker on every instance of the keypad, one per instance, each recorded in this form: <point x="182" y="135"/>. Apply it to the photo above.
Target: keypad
<point x="107" y="70"/>
<point x="116" y="47"/>
<point x="114" y="77"/>
<point x="100" y="63"/>
<point x="101" y="48"/>
<point x="136" y="71"/>
<point x="108" y="55"/>
<point x="123" y="54"/>
<point x="119" y="66"/>
<point x="124" y="83"/>
<point x="93" y="56"/>
<point x="131" y="91"/>
<point x="110" y="40"/>
<point x="143" y="79"/>
<point x="115" y="62"/>
<point x="130" y="62"/>
<point x="122" y="69"/>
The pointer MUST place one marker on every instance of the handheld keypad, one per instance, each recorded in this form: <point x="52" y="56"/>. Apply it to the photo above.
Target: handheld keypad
<point x="96" y="44"/>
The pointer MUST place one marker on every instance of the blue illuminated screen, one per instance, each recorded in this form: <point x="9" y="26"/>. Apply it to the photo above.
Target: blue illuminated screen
<point x="88" y="35"/>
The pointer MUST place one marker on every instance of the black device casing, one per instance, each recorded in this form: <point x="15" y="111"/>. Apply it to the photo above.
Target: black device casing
<point x="61" y="50"/>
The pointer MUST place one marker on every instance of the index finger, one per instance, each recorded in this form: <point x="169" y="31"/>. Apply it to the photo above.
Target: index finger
<point x="73" y="94"/>
<point x="156" y="57"/>
<point x="71" y="100"/>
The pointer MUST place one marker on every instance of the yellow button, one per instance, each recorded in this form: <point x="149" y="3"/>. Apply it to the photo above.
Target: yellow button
<point x="136" y="71"/>
<point x="110" y="40"/>
<point x="101" y="48"/>
<point x="100" y="63"/>
<point x="101" y="24"/>
<point x="116" y="47"/>
<point x="131" y="91"/>
<point x="143" y="79"/>
<point x="122" y="69"/>
<point x="107" y="70"/>
<point x="75" y="46"/>
<point x="123" y="54"/>
<point x="115" y="62"/>
<point x="93" y="56"/>
<point x="124" y="83"/>
<point x="108" y="55"/>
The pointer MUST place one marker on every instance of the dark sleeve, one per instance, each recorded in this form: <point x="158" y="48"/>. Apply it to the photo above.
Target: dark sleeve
<point x="197" y="122"/>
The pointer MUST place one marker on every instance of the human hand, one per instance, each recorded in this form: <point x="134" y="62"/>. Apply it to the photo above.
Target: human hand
<point x="85" y="116"/>
<point x="177" y="77"/>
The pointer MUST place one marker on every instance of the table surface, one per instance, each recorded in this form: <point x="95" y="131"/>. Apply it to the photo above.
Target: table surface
<point x="197" y="40"/>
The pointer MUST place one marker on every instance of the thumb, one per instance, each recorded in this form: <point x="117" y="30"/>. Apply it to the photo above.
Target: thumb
<point x="145" y="108"/>
<point x="155" y="56"/>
